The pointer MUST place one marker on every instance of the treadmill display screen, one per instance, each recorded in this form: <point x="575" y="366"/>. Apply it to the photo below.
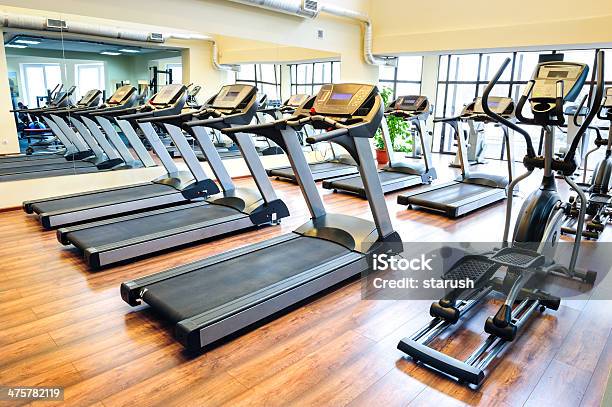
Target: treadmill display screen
<point x="409" y="101"/>
<point x="231" y="95"/>
<point x="341" y="96"/>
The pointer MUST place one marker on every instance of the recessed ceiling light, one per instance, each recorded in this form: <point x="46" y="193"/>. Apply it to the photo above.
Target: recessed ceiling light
<point x="29" y="42"/>
<point x="113" y="53"/>
<point x="130" y="50"/>
<point x="15" y="46"/>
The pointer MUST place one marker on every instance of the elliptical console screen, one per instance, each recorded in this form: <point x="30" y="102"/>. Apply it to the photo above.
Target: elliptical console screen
<point x="167" y="94"/>
<point x="548" y="74"/>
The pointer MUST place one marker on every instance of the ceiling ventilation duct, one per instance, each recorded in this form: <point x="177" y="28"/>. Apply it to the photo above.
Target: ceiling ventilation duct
<point x="35" y="23"/>
<point x="312" y="8"/>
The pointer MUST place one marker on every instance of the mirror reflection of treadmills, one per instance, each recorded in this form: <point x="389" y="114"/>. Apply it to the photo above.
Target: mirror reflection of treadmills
<point x="397" y="175"/>
<point x="235" y="209"/>
<point x="471" y="191"/>
<point x="171" y="188"/>
<point x="82" y="154"/>
<point x="336" y="166"/>
<point x="91" y="98"/>
<point x="220" y="295"/>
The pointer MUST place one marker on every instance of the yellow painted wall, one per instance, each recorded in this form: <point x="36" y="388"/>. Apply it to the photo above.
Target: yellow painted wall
<point x="441" y="25"/>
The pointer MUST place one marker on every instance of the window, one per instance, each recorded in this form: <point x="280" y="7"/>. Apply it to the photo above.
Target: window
<point x="38" y="80"/>
<point x="463" y="77"/>
<point x="177" y="72"/>
<point x="266" y="77"/>
<point x="308" y="78"/>
<point x="88" y="77"/>
<point x="405" y="79"/>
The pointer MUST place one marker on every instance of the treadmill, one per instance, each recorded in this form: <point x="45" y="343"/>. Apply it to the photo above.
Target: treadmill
<point x="337" y="166"/>
<point x="415" y="110"/>
<point x="471" y="191"/>
<point x="172" y="188"/>
<point x="220" y="295"/>
<point x="127" y="237"/>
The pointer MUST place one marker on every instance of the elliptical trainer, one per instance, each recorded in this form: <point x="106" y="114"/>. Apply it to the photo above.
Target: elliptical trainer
<point x="530" y="256"/>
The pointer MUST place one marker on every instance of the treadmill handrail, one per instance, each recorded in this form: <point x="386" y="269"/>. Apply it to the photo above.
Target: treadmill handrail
<point x="118" y="112"/>
<point x="137" y="115"/>
<point x="182" y="117"/>
<point x="329" y="135"/>
<point x="252" y="128"/>
<point x="205" y="122"/>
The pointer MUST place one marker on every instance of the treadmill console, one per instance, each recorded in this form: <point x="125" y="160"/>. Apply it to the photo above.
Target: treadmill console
<point x="121" y="95"/>
<point x="168" y="95"/>
<point x="91" y="97"/>
<point x="62" y="97"/>
<point x="343" y="99"/>
<point x="548" y="74"/>
<point x="501" y="105"/>
<point x="230" y="97"/>
<point x="297" y="100"/>
<point x="412" y="103"/>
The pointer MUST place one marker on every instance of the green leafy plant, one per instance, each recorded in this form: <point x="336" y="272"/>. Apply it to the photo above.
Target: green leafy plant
<point x="399" y="130"/>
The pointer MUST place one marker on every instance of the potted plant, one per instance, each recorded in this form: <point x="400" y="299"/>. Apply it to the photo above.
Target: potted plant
<point x="399" y="132"/>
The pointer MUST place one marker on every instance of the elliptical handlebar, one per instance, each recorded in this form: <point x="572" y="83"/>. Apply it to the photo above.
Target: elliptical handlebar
<point x="518" y="112"/>
<point x="500" y="119"/>
<point x="577" y="112"/>
<point x="599" y="92"/>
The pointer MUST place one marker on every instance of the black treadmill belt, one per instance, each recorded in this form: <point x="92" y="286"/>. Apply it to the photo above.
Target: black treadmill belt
<point x="315" y="168"/>
<point x="330" y="166"/>
<point x="142" y="226"/>
<point x="47" y="173"/>
<point x="356" y="182"/>
<point x="42" y="167"/>
<point x="206" y="288"/>
<point x="25" y="164"/>
<point x="449" y="195"/>
<point x="103" y="198"/>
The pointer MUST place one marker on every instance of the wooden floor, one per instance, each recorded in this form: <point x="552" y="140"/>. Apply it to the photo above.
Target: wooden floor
<point x="63" y="325"/>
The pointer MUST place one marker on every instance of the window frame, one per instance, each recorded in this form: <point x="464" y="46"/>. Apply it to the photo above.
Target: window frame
<point x="293" y="68"/>
<point x="101" y="76"/>
<point x="257" y="80"/>
<point x="24" y="78"/>
<point x="395" y="81"/>
<point x="512" y="83"/>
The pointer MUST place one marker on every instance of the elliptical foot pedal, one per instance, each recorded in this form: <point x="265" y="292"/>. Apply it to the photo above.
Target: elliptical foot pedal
<point x="518" y="258"/>
<point x="473" y="267"/>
